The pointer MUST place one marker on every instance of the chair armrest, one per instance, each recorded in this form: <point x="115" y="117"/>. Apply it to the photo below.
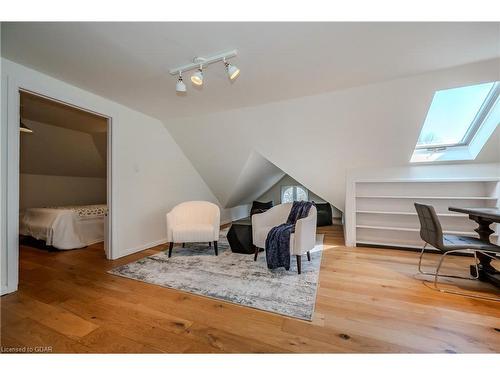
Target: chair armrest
<point x="305" y="235"/>
<point x="216" y="224"/>
<point x="258" y="221"/>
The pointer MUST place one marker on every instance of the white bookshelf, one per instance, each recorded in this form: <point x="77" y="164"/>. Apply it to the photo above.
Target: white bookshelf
<point x="384" y="212"/>
<point x="408" y="213"/>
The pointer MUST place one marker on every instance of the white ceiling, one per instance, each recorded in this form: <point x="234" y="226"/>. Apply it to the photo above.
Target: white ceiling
<point x="321" y="136"/>
<point x="129" y="62"/>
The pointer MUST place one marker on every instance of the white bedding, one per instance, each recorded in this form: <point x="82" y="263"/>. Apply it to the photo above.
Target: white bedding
<point x="64" y="227"/>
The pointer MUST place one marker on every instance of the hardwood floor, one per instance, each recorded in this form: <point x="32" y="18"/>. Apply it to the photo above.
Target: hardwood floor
<point x="369" y="300"/>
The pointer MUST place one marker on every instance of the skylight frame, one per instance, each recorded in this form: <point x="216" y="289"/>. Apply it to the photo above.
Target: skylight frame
<point x="475" y="125"/>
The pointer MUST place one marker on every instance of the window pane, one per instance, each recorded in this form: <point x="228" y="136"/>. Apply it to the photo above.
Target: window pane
<point x="301" y="194"/>
<point x="451" y="114"/>
<point x="287" y="195"/>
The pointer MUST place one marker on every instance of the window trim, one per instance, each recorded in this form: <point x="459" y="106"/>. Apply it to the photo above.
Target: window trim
<point x="475" y="126"/>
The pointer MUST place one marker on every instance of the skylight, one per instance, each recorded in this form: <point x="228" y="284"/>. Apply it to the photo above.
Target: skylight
<point x="455" y="119"/>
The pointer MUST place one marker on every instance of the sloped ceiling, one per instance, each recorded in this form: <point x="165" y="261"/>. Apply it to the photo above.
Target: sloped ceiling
<point x="313" y="99"/>
<point x="316" y="139"/>
<point x="56" y="151"/>
<point x="46" y="111"/>
<point x="65" y="141"/>
<point x="257" y="176"/>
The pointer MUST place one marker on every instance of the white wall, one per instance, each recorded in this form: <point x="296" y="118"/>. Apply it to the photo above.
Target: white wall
<point x="430" y="171"/>
<point x="274" y="194"/>
<point x="45" y="190"/>
<point x="150" y="173"/>
<point x="3" y="182"/>
<point x="317" y="139"/>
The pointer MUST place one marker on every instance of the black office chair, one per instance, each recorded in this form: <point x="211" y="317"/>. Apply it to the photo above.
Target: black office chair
<point x="431" y="233"/>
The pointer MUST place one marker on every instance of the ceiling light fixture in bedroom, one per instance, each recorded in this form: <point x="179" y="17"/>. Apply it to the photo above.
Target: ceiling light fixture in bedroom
<point x="24" y="129"/>
<point x="199" y="63"/>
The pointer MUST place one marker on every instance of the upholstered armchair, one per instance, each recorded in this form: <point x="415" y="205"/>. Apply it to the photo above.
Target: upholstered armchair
<point x="301" y="242"/>
<point x="195" y="221"/>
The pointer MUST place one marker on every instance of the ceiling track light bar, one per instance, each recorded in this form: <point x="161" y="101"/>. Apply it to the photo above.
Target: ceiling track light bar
<point x="203" y="61"/>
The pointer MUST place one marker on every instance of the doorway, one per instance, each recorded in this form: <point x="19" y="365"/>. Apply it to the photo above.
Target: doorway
<point x="63" y="175"/>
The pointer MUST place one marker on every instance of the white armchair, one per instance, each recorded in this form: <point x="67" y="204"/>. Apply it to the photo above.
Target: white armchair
<point x="301" y="242"/>
<point x="195" y="221"/>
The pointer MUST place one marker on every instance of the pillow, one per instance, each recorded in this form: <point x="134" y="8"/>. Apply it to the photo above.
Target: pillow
<point x="324" y="214"/>
<point x="259" y="207"/>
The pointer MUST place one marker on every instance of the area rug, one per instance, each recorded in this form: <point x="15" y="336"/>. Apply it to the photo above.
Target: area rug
<point x="233" y="277"/>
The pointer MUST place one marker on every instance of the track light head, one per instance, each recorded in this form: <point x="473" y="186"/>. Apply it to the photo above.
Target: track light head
<point x="232" y="71"/>
<point x="180" y="86"/>
<point x="197" y="78"/>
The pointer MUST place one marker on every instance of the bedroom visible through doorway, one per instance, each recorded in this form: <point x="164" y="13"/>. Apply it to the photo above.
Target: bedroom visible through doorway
<point x="63" y="176"/>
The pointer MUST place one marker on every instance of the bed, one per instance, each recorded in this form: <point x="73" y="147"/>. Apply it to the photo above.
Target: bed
<point x="64" y="228"/>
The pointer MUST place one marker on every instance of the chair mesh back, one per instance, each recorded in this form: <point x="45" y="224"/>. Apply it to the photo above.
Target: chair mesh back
<point x="430" y="228"/>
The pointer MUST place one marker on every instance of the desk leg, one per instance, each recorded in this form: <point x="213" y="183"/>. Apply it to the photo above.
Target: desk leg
<point x="486" y="271"/>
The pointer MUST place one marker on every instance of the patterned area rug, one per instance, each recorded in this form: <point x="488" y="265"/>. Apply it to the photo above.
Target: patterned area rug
<point x="233" y="277"/>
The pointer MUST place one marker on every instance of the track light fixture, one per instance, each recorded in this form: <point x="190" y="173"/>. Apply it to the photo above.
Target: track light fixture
<point x="199" y="63"/>
<point x="197" y="78"/>
<point x="180" y="86"/>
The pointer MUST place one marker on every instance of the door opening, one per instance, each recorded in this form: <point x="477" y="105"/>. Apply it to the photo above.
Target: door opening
<point x="64" y="176"/>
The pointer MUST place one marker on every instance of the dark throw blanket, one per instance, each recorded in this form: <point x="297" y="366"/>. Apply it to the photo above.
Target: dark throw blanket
<point x="278" y="239"/>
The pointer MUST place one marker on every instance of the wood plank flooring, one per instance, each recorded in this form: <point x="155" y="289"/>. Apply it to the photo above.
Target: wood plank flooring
<point x="369" y="301"/>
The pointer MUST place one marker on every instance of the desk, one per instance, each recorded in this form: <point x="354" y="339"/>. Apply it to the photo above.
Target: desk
<point x="484" y="217"/>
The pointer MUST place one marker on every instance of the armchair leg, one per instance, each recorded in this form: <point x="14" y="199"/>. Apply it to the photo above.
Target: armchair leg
<point x="183" y="244"/>
<point x="170" y="246"/>
<point x="210" y="244"/>
<point x="308" y="256"/>
<point x="215" y="248"/>
<point x="299" y="264"/>
<point x="256" y="253"/>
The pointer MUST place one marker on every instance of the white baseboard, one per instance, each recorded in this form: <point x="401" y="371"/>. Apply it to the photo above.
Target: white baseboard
<point x="7" y="289"/>
<point x="136" y="249"/>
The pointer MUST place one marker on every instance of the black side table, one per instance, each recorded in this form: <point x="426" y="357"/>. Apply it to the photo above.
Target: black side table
<point x="240" y="236"/>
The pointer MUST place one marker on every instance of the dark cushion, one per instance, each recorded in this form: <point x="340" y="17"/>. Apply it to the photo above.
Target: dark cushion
<point x="259" y="207"/>
<point x="324" y="214"/>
